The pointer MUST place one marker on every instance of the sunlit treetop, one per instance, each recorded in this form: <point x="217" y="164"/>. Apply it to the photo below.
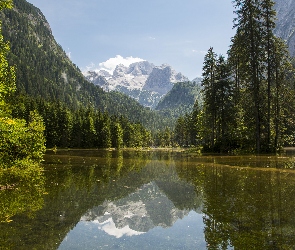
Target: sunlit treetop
<point x="6" y="4"/>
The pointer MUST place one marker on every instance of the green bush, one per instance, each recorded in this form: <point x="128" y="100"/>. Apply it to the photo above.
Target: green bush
<point x="20" y="141"/>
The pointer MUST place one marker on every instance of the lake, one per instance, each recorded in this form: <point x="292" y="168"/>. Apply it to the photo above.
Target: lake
<point x="157" y="199"/>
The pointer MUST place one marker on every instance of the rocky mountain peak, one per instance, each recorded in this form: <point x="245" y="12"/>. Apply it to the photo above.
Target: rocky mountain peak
<point x="140" y="68"/>
<point x="142" y="80"/>
<point x="162" y="78"/>
<point x="120" y="71"/>
<point x="104" y="73"/>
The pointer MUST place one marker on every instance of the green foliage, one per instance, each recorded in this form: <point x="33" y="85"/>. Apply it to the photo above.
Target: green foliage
<point x="117" y="135"/>
<point x="180" y="99"/>
<point x="82" y="128"/>
<point x="261" y="67"/>
<point x="189" y="129"/>
<point x="219" y="107"/>
<point x="6" y="4"/>
<point x="7" y="78"/>
<point x="20" y="141"/>
<point x="21" y="190"/>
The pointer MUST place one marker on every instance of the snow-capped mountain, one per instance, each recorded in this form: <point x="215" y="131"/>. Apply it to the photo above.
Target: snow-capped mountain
<point x="142" y="80"/>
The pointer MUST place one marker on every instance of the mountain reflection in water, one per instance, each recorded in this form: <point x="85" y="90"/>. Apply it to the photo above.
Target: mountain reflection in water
<point x="159" y="200"/>
<point x="137" y="213"/>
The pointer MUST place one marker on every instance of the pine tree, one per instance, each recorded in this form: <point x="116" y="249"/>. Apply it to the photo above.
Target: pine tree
<point x="249" y="32"/>
<point x="209" y="91"/>
<point x="255" y="58"/>
<point x="268" y="18"/>
<point x="226" y="112"/>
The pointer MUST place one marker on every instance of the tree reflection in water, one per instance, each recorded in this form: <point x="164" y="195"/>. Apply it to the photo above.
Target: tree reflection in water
<point x="21" y="191"/>
<point x="242" y="207"/>
<point x="246" y="208"/>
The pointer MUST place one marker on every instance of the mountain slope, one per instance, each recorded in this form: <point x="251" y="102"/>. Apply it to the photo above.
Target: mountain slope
<point x="285" y="25"/>
<point x="180" y="99"/>
<point x="44" y="70"/>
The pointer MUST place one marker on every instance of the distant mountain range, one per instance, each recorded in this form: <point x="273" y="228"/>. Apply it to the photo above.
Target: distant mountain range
<point x="149" y="84"/>
<point x="142" y="81"/>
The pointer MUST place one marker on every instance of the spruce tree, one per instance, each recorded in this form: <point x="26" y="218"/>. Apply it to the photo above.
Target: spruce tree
<point x="256" y="59"/>
<point x="209" y="91"/>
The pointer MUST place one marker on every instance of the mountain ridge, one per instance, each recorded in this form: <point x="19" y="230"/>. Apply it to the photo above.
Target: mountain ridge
<point x="142" y="81"/>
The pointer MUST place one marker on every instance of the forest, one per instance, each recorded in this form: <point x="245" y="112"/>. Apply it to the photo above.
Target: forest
<point x="246" y="101"/>
<point x="248" y="98"/>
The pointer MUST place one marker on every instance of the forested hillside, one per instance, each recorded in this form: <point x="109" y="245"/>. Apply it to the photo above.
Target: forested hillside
<point x="43" y="70"/>
<point x="180" y="99"/>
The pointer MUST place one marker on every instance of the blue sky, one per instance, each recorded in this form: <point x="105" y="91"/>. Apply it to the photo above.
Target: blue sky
<point x="176" y="32"/>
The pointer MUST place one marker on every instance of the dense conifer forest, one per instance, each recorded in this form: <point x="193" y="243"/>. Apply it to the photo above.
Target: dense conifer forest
<point x="248" y="98"/>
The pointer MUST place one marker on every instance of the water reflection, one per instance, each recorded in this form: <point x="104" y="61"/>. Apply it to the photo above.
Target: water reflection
<point x="160" y="200"/>
<point x="245" y="208"/>
<point x="21" y="192"/>
<point x="137" y="213"/>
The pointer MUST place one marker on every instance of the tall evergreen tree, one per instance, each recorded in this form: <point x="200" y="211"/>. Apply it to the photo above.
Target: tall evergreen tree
<point x="249" y="37"/>
<point x="268" y="19"/>
<point x="226" y="112"/>
<point x="219" y="111"/>
<point x="256" y="59"/>
<point x="209" y="90"/>
<point x="117" y="135"/>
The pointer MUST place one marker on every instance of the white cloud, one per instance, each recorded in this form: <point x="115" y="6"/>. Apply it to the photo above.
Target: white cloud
<point x="110" y="228"/>
<point x="111" y="63"/>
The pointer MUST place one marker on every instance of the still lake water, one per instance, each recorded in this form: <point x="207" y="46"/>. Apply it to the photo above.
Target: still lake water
<point x="98" y="199"/>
